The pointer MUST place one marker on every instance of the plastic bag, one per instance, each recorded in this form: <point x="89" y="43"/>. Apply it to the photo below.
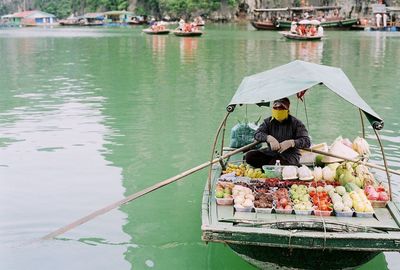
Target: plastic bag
<point x="242" y="134"/>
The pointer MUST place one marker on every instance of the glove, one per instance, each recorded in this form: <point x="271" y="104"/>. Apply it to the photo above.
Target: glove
<point x="273" y="143"/>
<point x="285" y="145"/>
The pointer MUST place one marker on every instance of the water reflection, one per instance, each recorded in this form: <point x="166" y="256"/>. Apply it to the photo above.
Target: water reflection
<point x="188" y="49"/>
<point x="379" y="49"/>
<point x="310" y="51"/>
<point x="158" y="43"/>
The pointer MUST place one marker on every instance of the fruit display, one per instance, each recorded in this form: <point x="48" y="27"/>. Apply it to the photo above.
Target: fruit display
<point x="378" y="196"/>
<point x="282" y="201"/>
<point x="300" y="198"/>
<point x="343" y="189"/>
<point x="321" y="199"/>
<point x="350" y="172"/>
<point x="264" y="199"/>
<point x="341" y="200"/>
<point x="243" y="198"/>
<point x="360" y="201"/>
<point x="223" y="193"/>
<point x="244" y="170"/>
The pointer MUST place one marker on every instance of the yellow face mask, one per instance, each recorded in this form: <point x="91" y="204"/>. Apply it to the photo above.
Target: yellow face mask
<point x="280" y="115"/>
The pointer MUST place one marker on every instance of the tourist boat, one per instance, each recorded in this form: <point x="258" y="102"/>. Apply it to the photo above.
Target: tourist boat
<point x="269" y="21"/>
<point x="150" y="31"/>
<point x="290" y="35"/>
<point x="331" y="21"/>
<point x="269" y="240"/>
<point x="187" y="34"/>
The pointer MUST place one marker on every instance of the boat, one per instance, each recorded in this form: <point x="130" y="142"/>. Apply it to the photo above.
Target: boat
<point x="290" y="35"/>
<point x="269" y="240"/>
<point x="150" y="31"/>
<point x="268" y="21"/>
<point x="322" y="13"/>
<point x="181" y="33"/>
<point x="392" y="23"/>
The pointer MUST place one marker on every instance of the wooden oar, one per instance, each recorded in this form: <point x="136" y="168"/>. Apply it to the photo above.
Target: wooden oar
<point x="353" y="160"/>
<point x="143" y="192"/>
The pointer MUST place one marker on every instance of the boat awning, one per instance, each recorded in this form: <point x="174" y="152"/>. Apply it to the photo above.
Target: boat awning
<point x="270" y="9"/>
<point x="294" y="77"/>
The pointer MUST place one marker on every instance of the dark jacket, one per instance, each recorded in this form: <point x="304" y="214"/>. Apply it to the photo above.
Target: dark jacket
<point x="291" y="128"/>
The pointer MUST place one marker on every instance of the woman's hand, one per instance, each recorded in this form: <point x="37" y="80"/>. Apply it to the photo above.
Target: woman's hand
<point x="273" y="143"/>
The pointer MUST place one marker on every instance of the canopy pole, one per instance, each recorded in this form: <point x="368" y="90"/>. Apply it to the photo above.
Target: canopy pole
<point x="362" y="123"/>
<point x="213" y="148"/>
<point x="384" y="162"/>
<point x="223" y="138"/>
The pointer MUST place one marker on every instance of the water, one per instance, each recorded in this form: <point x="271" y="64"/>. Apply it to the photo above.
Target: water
<point x="90" y="115"/>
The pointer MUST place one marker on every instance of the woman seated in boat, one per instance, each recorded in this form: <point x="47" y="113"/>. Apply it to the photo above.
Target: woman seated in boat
<point x="320" y="31"/>
<point x="293" y="27"/>
<point x="285" y="135"/>
<point x="313" y="30"/>
<point x="181" y="24"/>
<point x="301" y="30"/>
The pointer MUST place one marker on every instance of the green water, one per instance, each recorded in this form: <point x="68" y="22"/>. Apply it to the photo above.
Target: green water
<point x="90" y="115"/>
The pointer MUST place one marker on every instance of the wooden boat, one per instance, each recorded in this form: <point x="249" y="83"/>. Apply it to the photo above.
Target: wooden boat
<point x="330" y="22"/>
<point x="269" y="240"/>
<point x="150" y="31"/>
<point x="289" y="35"/>
<point x="270" y="22"/>
<point x="264" y="25"/>
<point x="187" y="34"/>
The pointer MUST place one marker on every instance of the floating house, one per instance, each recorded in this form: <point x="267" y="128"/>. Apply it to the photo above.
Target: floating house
<point x="37" y="18"/>
<point x="118" y="17"/>
<point x="93" y="19"/>
<point x="29" y="18"/>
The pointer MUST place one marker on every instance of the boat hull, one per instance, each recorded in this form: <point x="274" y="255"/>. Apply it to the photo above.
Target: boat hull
<point x="283" y="258"/>
<point x="290" y="35"/>
<point x="264" y="25"/>
<point x="188" y="34"/>
<point x="161" y="32"/>
<point x="333" y="25"/>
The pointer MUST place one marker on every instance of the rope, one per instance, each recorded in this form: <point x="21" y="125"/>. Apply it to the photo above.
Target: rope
<point x="305" y="110"/>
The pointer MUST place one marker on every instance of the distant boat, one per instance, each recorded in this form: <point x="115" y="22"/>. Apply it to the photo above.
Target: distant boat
<point x="270" y="23"/>
<point x="187" y="34"/>
<point x="333" y="21"/>
<point x="150" y="31"/>
<point x="290" y="35"/>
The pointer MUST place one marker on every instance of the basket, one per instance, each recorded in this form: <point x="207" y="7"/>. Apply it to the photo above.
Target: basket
<point x="322" y="213"/>
<point x="243" y="209"/>
<point x="378" y="204"/>
<point x="284" y="211"/>
<point x="224" y="201"/>
<point x="303" y="212"/>
<point x="263" y="210"/>
<point x="344" y="214"/>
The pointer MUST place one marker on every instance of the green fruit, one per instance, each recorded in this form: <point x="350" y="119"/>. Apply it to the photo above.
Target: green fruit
<point x="318" y="161"/>
<point x="227" y="190"/>
<point x="219" y="194"/>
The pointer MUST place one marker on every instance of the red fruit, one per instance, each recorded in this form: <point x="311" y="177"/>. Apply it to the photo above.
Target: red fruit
<point x="380" y="188"/>
<point x="373" y="196"/>
<point x="288" y="207"/>
<point x="283" y="202"/>
<point x="383" y="196"/>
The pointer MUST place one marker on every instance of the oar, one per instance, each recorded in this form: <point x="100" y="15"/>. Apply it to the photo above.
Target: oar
<point x="353" y="160"/>
<point x="143" y="192"/>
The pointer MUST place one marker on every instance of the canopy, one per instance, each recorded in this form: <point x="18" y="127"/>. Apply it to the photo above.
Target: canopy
<point x="294" y="77"/>
<point x="305" y="22"/>
<point x="316" y="22"/>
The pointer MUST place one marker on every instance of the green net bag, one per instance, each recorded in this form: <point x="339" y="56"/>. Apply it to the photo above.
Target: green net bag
<point x="243" y="134"/>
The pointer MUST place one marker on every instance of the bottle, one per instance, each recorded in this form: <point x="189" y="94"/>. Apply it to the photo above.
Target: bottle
<point x="277" y="167"/>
